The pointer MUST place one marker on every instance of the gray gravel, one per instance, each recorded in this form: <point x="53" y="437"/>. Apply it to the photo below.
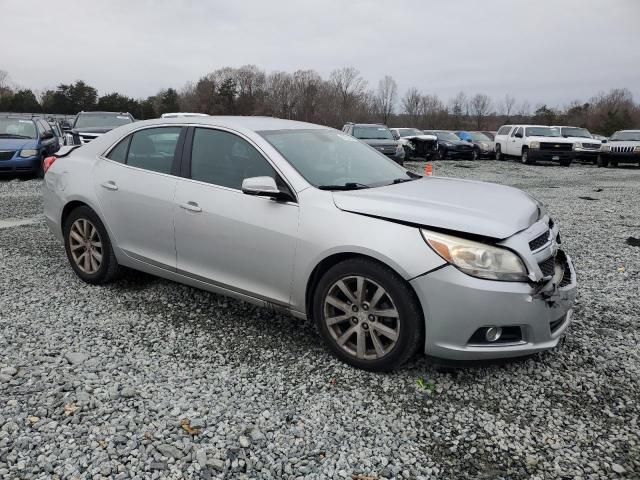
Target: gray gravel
<point x="149" y="379"/>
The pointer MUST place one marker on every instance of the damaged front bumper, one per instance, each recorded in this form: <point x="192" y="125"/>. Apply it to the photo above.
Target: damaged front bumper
<point x="458" y="307"/>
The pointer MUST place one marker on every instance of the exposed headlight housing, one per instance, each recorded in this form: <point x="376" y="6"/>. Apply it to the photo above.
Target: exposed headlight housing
<point x="605" y="148"/>
<point x="68" y="139"/>
<point x="477" y="259"/>
<point x="535" y="144"/>
<point x="28" y="152"/>
<point x="399" y="150"/>
<point x="577" y="145"/>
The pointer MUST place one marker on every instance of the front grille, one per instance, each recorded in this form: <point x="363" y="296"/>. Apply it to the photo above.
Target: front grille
<point x="7" y="154"/>
<point x="622" y="149"/>
<point x="566" y="275"/>
<point x="591" y="146"/>
<point x="556" y="146"/>
<point x="548" y="267"/>
<point x="539" y="241"/>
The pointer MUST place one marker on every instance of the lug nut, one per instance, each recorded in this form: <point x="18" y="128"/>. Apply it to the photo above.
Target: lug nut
<point x="365" y="326"/>
<point x="372" y="318"/>
<point x="354" y="308"/>
<point x="354" y="320"/>
<point x="365" y="306"/>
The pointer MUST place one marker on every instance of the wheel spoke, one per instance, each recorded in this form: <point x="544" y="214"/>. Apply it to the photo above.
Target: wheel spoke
<point x="97" y="256"/>
<point x="361" y="345"/>
<point x="359" y="289"/>
<point x="338" y="319"/>
<point x="377" y="344"/>
<point x="376" y="297"/>
<point x="97" y="244"/>
<point x="76" y="236"/>
<point x="339" y="304"/>
<point x="94" y="263"/>
<point x="87" y="262"/>
<point x="344" y="289"/>
<point x="76" y="247"/>
<point x="342" y="339"/>
<point x="387" y="312"/>
<point x="390" y="333"/>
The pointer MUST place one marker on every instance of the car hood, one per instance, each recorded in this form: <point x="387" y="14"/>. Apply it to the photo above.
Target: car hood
<point x="583" y="139"/>
<point x="456" y="142"/>
<point x="478" y="208"/>
<point x="17" y="143"/>
<point x="550" y="139"/>
<point x="96" y="130"/>
<point x="379" y="141"/>
<point x="623" y="143"/>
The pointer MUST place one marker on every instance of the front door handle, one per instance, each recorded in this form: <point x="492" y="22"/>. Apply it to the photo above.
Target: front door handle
<point x="191" y="206"/>
<point x="110" y="185"/>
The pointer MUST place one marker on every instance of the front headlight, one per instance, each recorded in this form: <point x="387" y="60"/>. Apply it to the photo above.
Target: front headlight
<point x="577" y="145"/>
<point x="637" y="149"/>
<point x="484" y="145"/>
<point x="477" y="259"/>
<point x="534" y="144"/>
<point x="28" y="153"/>
<point x="605" y="148"/>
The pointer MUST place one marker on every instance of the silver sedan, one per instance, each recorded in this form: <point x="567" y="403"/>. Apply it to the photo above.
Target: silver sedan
<point x="304" y="219"/>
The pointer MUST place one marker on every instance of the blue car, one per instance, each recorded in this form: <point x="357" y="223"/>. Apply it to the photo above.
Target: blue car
<point x="24" y="144"/>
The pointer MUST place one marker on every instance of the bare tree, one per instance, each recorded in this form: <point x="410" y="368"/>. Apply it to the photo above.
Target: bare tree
<point x="509" y="105"/>
<point x="459" y="106"/>
<point x="411" y="104"/>
<point x="525" y="109"/>
<point x="281" y="97"/>
<point x="307" y="85"/>
<point x="386" y="97"/>
<point x="480" y="107"/>
<point x="431" y="109"/>
<point x="348" y="85"/>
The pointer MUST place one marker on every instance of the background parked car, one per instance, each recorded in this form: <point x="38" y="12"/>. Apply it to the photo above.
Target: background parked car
<point x="183" y="114"/>
<point x="57" y="131"/>
<point x="450" y="146"/>
<point x="530" y="143"/>
<point x="490" y="134"/>
<point x="416" y="143"/>
<point x="90" y="125"/>
<point x="622" y="147"/>
<point x="483" y="145"/>
<point x="24" y="143"/>
<point x="585" y="146"/>
<point x="379" y="137"/>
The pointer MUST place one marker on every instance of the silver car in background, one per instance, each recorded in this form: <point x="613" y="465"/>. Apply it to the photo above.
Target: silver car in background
<point x="305" y="219"/>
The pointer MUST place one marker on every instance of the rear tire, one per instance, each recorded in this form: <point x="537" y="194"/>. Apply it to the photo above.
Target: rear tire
<point x="88" y="247"/>
<point x="345" y="303"/>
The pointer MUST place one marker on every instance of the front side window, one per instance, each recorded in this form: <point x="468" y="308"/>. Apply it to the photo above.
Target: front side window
<point x="154" y="149"/>
<point x="327" y="158"/>
<point x="222" y="158"/>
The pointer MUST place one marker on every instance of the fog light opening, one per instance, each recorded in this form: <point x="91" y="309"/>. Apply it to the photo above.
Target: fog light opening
<point x="493" y="334"/>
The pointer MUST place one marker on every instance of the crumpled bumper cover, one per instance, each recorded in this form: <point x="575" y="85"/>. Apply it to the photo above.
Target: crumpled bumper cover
<point x="455" y="305"/>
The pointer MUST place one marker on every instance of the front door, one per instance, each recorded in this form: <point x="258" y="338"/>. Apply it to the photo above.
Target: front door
<point x="240" y="242"/>
<point x="514" y="145"/>
<point x="136" y="188"/>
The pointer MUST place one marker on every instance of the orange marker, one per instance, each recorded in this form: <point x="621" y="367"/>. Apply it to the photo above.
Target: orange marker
<point x="428" y="170"/>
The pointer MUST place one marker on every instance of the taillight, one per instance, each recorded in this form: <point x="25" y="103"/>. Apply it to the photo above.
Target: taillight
<point x="46" y="164"/>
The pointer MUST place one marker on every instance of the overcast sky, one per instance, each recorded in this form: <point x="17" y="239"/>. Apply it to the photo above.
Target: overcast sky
<point x="551" y="51"/>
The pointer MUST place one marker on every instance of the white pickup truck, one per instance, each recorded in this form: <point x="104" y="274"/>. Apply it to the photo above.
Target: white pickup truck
<point x="530" y="143"/>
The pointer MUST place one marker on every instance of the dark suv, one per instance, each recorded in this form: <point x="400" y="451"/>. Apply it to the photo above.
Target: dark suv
<point x="89" y="125"/>
<point x="377" y="136"/>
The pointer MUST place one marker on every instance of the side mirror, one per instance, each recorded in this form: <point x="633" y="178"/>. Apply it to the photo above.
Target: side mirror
<point x="518" y="135"/>
<point x="263" y="187"/>
<point x="395" y="136"/>
<point x="604" y="140"/>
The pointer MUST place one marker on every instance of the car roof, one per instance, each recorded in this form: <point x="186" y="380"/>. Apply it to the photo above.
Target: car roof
<point x="103" y="113"/>
<point x="369" y="125"/>
<point x="18" y="117"/>
<point x="237" y="122"/>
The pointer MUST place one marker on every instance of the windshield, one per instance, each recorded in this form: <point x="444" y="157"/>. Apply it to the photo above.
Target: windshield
<point x="576" y="132"/>
<point x="372" y="133"/>
<point x="16" y="128"/>
<point x="409" y="132"/>
<point x="95" y="120"/>
<point x="629" y="136"/>
<point x="448" y="136"/>
<point x="326" y="157"/>
<point x="479" y="137"/>
<point x="542" y="132"/>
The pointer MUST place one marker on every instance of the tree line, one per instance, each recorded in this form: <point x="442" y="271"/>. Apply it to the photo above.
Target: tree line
<point x="344" y="96"/>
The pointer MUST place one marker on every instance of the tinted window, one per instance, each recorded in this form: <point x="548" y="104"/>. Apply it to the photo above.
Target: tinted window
<point x="154" y="148"/>
<point x="119" y="152"/>
<point x="504" y="130"/>
<point x="372" y="133"/>
<point x="101" y="120"/>
<point x="222" y="158"/>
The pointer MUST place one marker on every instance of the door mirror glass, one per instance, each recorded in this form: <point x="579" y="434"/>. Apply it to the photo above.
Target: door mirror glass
<point x="262" y="186"/>
<point x="604" y="140"/>
<point x="518" y="135"/>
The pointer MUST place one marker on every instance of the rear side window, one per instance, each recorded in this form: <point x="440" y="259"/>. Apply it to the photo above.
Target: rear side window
<point x="154" y="149"/>
<point x="222" y="158"/>
<point x="119" y="152"/>
<point x="504" y="130"/>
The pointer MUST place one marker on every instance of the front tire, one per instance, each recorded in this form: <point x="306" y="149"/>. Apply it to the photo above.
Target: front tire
<point x="525" y="157"/>
<point x="602" y="162"/>
<point x="88" y="247"/>
<point x="565" y="162"/>
<point x="367" y="315"/>
<point x="499" y="156"/>
<point x="476" y="154"/>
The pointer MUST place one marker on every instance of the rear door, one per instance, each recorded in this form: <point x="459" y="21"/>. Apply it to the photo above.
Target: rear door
<point x="224" y="237"/>
<point x="135" y="184"/>
<point x="514" y="144"/>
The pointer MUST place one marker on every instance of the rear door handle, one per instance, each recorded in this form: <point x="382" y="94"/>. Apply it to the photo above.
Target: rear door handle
<point x="110" y="185"/>
<point x="191" y="206"/>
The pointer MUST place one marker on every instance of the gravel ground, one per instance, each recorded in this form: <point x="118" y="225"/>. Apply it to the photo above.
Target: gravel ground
<point x="150" y="379"/>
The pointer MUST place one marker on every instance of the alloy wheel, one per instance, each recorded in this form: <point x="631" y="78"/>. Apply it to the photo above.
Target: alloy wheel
<point x="85" y="245"/>
<point x="361" y="317"/>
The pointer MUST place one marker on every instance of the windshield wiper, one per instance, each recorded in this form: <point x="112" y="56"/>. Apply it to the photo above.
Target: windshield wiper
<point x="402" y="180"/>
<point x="344" y="186"/>
<point x="13" y="135"/>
